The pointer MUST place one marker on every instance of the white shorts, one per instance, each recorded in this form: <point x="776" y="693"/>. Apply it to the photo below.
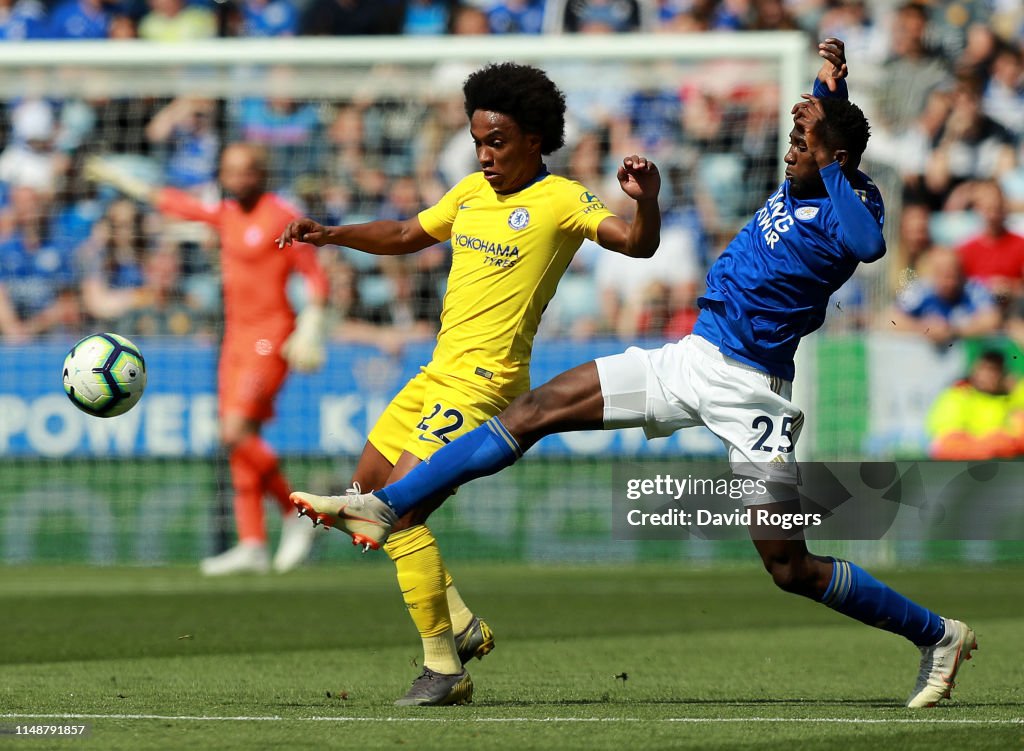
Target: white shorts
<point x="689" y="383"/>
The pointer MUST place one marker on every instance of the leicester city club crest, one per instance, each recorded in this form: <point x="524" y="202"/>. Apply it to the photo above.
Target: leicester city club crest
<point x="519" y="218"/>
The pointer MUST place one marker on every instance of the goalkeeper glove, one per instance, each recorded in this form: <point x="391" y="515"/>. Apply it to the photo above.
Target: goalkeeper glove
<point x="100" y="170"/>
<point x="304" y="348"/>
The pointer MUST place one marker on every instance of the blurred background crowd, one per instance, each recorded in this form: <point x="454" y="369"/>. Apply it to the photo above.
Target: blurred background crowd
<point x="942" y="84"/>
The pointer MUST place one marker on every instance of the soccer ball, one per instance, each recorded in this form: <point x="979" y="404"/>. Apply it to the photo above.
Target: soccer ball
<point x="104" y="375"/>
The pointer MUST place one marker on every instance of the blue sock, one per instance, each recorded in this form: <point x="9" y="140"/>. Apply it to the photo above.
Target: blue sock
<point x="480" y="452"/>
<point x="856" y="593"/>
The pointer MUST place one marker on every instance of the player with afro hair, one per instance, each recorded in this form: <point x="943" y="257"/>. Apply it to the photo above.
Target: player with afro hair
<point x="514" y="228"/>
<point x="525" y="94"/>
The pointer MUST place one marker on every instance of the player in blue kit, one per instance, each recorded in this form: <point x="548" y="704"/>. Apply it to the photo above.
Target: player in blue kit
<point x="769" y="288"/>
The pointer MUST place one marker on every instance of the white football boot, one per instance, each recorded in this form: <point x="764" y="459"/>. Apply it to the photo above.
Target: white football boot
<point x="244" y="558"/>
<point x="362" y="515"/>
<point x="940" y="663"/>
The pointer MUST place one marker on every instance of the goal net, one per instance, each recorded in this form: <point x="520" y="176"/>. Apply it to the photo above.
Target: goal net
<point x="354" y="129"/>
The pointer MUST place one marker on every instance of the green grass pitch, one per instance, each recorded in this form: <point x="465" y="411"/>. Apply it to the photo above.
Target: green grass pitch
<point x="598" y="657"/>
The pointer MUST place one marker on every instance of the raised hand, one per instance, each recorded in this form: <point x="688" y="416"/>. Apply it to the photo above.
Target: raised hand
<point x="639" y="178"/>
<point x="834" y="69"/>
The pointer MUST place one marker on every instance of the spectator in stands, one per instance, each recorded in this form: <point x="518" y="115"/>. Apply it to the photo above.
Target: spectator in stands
<point x="122" y="27"/>
<point x="996" y="257"/>
<point x="112" y="261"/>
<point x="970" y="146"/>
<point x="37" y="281"/>
<point x="268" y="18"/>
<point x="976" y="419"/>
<point x="1008" y="19"/>
<point x="624" y="285"/>
<point x="468" y="20"/>
<point x="164" y="312"/>
<point x="714" y="130"/>
<point x="663" y="311"/>
<point x="700" y="15"/>
<point x="176" y="21"/>
<point x="587" y="158"/>
<point x="851" y="21"/>
<point x="516" y="16"/>
<point x="654" y="120"/>
<point x="759" y="144"/>
<point x="426" y="17"/>
<point x="943" y="305"/>
<point x="356" y="323"/>
<point x="913" y="242"/>
<point x="80" y="19"/>
<point x="120" y="125"/>
<point x="772" y="15"/>
<point x="390" y="125"/>
<point x="1015" y="330"/>
<point x="403" y="200"/>
<point x="979" y="50"/>
<point x="442" y="153"/>
<point x="185" y="127"/>
<point x="414" y="304"/>
<point x="1003" y="100"/>
<point x="289" y="130"/>
<point x="345" y="135"/>
<point x="912" y="72"/>
<point x="343" y="18"/>
<point x="601" y="16"/>
<point x="910" y="150"/>
<point x="31" y="157"/>
<point x="21" y="20"/>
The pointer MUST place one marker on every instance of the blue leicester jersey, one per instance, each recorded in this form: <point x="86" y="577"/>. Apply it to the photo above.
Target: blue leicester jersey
<point x="771" y="285"/>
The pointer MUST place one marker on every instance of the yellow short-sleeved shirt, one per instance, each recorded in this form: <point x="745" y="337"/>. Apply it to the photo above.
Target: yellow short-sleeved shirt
<point x="508" y="254"/>
<point x="509" y="251"/>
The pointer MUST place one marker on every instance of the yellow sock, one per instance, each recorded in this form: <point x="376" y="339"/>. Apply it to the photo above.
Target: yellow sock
<point x="461" y="615"/>
<point x="421" y="577"/>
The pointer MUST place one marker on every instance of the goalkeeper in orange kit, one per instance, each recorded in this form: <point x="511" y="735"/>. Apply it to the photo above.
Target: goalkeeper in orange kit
<point x="262" y="339"/>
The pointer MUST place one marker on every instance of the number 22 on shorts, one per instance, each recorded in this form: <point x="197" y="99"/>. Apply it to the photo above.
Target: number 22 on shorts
<point x="453" y="421"/>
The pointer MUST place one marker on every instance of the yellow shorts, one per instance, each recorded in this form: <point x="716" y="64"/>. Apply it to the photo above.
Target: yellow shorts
<point x="432" y="410"/>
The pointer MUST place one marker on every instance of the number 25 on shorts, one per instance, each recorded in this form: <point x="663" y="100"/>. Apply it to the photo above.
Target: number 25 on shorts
<point x="766" y="426"/>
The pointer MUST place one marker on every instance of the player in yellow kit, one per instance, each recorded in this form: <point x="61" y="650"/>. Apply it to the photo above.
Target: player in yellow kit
<point x="514" y="228"/>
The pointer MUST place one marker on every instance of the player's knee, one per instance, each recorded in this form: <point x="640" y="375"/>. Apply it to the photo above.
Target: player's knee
<point x="527" y="414"/>
<point x="791" y="575"/>
<point x="230" y="436"/>
<point x="232" y="433"/>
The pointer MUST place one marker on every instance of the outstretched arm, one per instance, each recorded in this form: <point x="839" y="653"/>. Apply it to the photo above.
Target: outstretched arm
<point x="169" y="201"/>
<point x="382" y="237"/>
<point x="641" y="181"/>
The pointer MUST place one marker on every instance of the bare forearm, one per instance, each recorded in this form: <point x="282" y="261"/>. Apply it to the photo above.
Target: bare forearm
<point x="381" y="237"/>
<point x="978" y="325"/>
<point x="645" y="231"/>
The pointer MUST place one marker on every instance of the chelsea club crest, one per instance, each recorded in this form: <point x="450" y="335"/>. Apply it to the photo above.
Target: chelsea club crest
<point x="518" y="219"/>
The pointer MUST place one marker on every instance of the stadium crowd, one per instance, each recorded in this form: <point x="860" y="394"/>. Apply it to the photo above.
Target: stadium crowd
<point x="943" y="86"/>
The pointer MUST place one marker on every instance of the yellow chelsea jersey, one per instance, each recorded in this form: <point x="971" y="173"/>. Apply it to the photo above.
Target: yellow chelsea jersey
<point x="508" y="253"/>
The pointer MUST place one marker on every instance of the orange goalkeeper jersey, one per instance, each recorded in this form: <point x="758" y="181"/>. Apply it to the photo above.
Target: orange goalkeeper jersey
<point x="254" y="270"/>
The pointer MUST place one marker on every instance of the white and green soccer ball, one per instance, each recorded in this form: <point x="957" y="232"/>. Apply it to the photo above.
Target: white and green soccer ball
<point x="104" y="375"/>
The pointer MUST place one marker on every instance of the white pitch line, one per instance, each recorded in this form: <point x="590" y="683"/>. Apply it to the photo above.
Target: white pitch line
<point x="696" y="720"/>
